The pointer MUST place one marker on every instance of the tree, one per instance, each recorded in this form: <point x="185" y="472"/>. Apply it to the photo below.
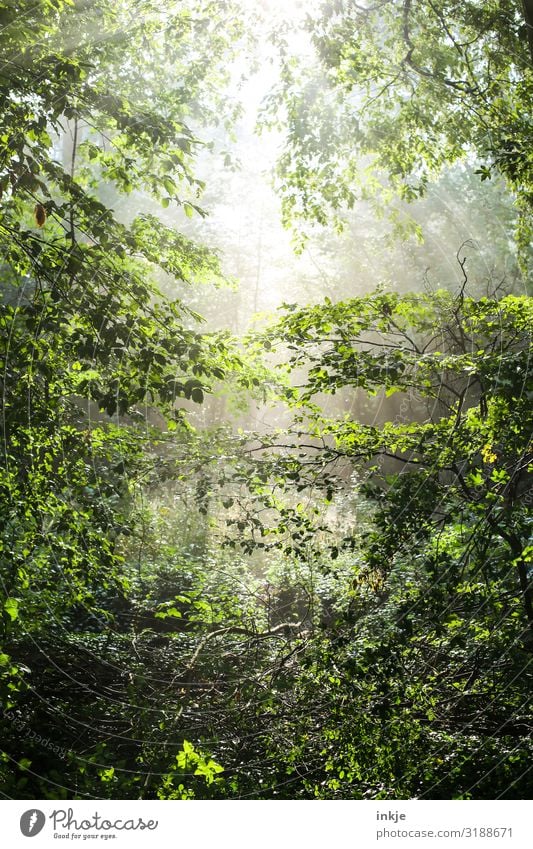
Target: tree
<point x="88" y="343"/>
<point x="462" y="368"/>
<point x="424" y="681"/>
<point x="399" y="90"/>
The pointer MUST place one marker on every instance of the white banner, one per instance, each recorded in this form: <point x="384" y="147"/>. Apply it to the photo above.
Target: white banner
<point x="272" y="825"/>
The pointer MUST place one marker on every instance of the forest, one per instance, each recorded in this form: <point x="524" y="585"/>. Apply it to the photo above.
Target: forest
<point x="266" y="399"/>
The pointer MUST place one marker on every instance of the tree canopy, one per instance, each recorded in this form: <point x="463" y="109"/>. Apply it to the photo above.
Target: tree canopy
<point x="398" y="90"/>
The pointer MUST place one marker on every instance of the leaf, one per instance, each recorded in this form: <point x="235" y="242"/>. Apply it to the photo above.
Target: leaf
<point x="169" y="185"/>
<point x="172" y="612"/>
<point x="11" y="607"/>
<point x="188" y="748"/>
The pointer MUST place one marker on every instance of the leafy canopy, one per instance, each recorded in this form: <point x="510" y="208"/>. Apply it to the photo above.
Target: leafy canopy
<point x="398" y="90"/>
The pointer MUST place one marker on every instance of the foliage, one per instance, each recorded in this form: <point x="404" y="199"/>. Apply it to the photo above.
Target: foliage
<point x="399" y="90"/>
<point x="441" y="596"/>
<point x="339" y="606"/>
<point x="88" y="343"/>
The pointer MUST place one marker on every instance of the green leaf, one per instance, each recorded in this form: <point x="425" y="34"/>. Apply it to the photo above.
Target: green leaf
<point x="171" y="612"/>
<point x="11" y="606"/>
